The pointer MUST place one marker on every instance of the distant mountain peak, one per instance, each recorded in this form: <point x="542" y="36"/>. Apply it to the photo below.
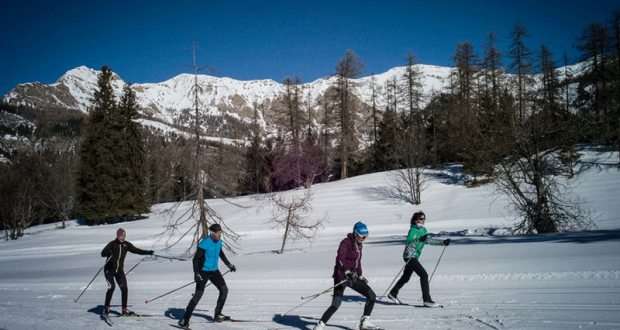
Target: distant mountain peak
<point x="167" y="101"/>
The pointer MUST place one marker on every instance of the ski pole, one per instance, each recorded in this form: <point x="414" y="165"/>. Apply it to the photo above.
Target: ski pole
<point x="444" y="248"/>
<point x="91" y="281"/>
<point x="169" y="292"/>
<point x="323" y="292"/>
<point x="312" y="297"/>
<point x="177" y="289"/>
<point x="394" y="280"/>
<point x="132" y="268"/>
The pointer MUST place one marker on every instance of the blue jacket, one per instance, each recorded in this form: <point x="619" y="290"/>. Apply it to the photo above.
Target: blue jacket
<point x="208" y="255"/>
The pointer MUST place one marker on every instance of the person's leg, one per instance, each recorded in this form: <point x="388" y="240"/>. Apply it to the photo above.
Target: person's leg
<point x="121" y="279"/>
<point x="336" y="301"/>
<point x="218" y="280"/>
<point x="109" y="277"/>
<point x="200" y="289"/>
<point x="404" y="278"/>
<point x="421" y="272"/>
<point x="364" y="289"/>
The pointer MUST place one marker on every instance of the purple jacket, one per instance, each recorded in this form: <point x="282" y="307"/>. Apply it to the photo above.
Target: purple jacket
<point x="349" y="257"/>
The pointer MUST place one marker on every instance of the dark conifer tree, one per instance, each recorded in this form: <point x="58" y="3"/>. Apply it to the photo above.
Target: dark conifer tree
<point x="593" y="86"/>
<point x="388" y="144"/>
<point x="96" y="172"/>
<point x="111" y="173"/>
<point x="132" y="157"/>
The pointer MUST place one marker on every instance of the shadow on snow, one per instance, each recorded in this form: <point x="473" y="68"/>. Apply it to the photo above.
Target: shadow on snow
<point x="582" y="237"/>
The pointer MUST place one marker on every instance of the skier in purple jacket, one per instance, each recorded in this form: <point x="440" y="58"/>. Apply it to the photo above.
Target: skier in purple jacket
<point x="348" y="273"/>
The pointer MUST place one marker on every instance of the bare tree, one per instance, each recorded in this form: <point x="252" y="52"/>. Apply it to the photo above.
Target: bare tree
<point x="540" y="197"/>
<point x="531" y="174"/>
<point x="409" y="183"/>
<point x="19" y="203"/>
<point x="199" y="216"/>
<point x="491" y="64"/>
<point x="59" y="189"/>
<point x="414" y="150"/>
<point x="348" y="68"/>
<point x="292" y="212"/>
<point x="521" y="65"/>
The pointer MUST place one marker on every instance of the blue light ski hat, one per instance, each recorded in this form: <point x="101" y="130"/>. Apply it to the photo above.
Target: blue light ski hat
<point x="360" y="228"/>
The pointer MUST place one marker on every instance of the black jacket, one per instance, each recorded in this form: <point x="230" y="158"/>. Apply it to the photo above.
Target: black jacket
<point x="117" y="252"/>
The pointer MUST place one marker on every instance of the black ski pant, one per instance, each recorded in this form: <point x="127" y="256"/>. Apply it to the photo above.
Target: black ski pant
<point x="360" y="287"/>
<point x="110" y="275"/>
<point x="413" y="265"/>
<point x="218" y="280"/>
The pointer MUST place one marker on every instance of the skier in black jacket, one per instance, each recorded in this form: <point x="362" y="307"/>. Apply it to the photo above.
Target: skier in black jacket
<point x="116" y="251"/>
<point x="205" y="262"/>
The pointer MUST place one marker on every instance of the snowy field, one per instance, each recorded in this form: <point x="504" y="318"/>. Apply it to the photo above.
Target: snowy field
<point x="486" y="279"/>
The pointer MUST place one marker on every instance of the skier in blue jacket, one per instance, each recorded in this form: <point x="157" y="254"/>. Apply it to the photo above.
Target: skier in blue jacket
<point x="416" y="239"/>
<point x="205" y="263"/>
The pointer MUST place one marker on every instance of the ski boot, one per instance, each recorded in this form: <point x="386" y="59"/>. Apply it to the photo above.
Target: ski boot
<point x="394" y="299"/>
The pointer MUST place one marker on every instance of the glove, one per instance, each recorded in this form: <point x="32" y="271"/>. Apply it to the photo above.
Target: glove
<point x="198" y="277"/>
<point x="363" y="279"/>
<point x="446" y="242"/>
<point x="150" y="252"/>
<point x="350" y="275"/>
<point x="232" y="268"/>
<point x="423" y="238"/>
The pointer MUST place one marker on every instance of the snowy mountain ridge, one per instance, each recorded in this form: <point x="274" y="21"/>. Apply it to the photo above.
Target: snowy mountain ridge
<point x="163" y="101"/>
<point x="167" y="105"/>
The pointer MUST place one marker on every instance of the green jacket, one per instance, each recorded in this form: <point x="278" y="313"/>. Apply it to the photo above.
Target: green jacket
<point x="413" y="245"/>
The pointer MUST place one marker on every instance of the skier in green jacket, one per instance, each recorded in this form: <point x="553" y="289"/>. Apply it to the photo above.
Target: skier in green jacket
<point x="416" y="239"/>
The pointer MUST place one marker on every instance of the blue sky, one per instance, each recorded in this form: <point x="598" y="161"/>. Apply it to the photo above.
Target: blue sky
<point x="150" y="41"/>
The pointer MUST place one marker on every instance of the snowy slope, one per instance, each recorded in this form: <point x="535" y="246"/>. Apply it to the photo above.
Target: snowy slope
<point x="486" y="279"/>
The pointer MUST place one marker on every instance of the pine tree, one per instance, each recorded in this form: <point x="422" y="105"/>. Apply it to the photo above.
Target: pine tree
<point x="111" y="173"/>
<point x="388" y="141"/>
<point x="97" y="172"/>
<point x="133" y="156"/>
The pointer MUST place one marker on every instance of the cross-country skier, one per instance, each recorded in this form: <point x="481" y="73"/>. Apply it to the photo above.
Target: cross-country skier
<point x="416" y="239"/>
<point x="116" y="251"/>
<point x="205" y="261"/>
<point x="349" y="268"/>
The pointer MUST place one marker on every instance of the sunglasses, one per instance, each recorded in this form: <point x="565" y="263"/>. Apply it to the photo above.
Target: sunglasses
<point x="362" y="236"/>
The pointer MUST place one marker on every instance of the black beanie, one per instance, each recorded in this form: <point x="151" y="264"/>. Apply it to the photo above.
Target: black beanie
<point x="215" y="228"/>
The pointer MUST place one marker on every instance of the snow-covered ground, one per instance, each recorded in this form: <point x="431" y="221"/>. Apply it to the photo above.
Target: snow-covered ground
<point x="486" y="279"/>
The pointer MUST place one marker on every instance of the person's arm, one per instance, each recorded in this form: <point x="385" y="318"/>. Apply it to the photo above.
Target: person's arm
<point x="433" y="241"/>
<point x="199" y="260"/>
<point x="342" y="252"/>
<point x="359" y="265"/>
<point x="107" y="250"/>
<point x="226" y="262"/>
<point x="131" y="248"/>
